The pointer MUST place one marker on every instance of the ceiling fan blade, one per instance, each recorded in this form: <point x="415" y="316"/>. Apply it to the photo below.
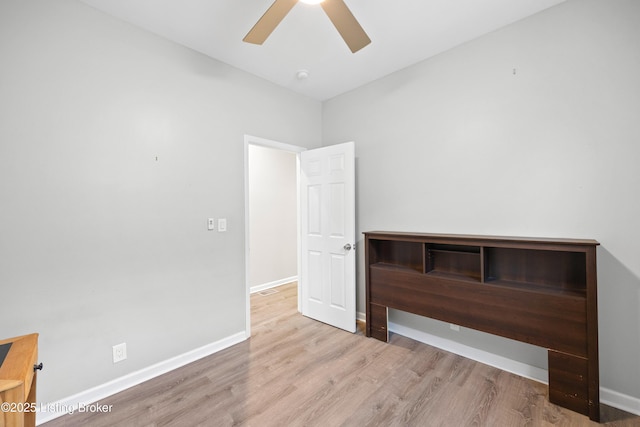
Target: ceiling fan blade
<point x="346" y="24"/>
<point x="269" y="21"/>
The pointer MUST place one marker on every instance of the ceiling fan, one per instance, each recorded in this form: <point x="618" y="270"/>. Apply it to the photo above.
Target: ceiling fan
<point x="336" y="10"/>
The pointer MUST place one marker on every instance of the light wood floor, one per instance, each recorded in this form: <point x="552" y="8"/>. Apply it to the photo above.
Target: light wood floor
<point x="298" y="372"/>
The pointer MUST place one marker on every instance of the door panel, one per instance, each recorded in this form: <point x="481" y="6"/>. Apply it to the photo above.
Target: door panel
<point x="314" y="210"/>
<point x="315" y="276"/>
<point x="327" y="194"/>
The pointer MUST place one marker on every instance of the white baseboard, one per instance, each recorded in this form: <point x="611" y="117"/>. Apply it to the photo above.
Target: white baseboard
<point x="491" y="359"/>
<point x="258" y="288"/>
<point x="620" y="401"/>
<point x="95" y="394"/>
<point x="608" y="397"/>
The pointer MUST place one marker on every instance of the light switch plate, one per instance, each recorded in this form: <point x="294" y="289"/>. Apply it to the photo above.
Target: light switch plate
<point x="222" y="224"/>
<point x="211" y="224"/>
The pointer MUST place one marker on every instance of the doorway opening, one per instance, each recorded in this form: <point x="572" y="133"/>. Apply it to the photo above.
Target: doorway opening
<point x="272" y="235"/>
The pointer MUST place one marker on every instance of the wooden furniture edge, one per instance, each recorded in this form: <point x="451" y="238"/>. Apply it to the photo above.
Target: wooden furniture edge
<point x="18" y="380"/>
<point x="478" y="239"/>
<point x="586" y="246"/>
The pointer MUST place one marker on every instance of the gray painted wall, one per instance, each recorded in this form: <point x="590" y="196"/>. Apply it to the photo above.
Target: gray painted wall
<point x="273" y="211"/>
<point x="462" y="143"/>
<point x="104" y="244"/>
<point x="100" y="243"/>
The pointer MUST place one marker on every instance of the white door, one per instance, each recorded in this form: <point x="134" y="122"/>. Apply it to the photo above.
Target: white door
<point x="327" y="225"/>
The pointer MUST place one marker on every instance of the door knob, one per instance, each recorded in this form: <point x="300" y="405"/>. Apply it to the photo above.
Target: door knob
<point x="347" y="247"/>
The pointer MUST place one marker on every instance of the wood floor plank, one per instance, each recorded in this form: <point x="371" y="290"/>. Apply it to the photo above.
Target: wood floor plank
<point x="295" y="371"/>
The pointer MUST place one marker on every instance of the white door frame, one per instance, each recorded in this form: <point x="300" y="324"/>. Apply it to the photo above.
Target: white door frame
<point x="254" y="140"/>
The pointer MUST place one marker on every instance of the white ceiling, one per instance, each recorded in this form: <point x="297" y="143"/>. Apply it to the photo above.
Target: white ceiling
<point x="403" y="32"/>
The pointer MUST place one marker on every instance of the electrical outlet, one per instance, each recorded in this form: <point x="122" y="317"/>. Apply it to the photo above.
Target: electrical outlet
<point x="454" y="327"/>
<point x="119" y="352"/>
